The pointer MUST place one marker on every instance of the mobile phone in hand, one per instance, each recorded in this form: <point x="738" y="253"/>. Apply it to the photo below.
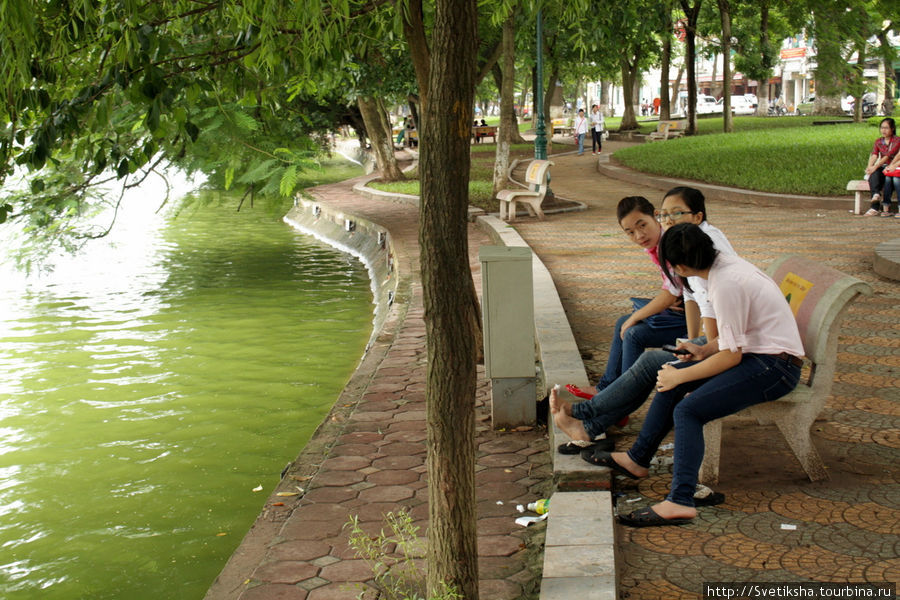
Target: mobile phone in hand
<point x="674" y="350"/>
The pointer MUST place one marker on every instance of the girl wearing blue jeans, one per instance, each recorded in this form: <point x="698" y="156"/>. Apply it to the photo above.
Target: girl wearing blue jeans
<point x="754" y="359"/>
<point x="634" y="332"/>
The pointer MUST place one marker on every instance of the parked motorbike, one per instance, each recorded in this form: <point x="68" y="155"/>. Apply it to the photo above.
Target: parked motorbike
<point x="776" y="111"/>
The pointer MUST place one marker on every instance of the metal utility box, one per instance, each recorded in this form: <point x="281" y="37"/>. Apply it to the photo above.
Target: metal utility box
<point x="508" y="312"/>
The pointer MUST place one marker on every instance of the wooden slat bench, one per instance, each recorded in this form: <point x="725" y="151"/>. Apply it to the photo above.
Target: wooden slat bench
<point x="483" y="131"/>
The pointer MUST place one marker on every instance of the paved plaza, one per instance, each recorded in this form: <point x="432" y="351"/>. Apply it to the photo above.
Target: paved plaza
<point x="775" y="526"/>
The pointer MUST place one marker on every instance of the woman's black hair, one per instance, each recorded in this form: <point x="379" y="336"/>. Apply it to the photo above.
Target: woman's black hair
<point x="891" y="123"/>
<point x="629" y="204"/>
<point x="687" y="245"/>
<point x="691" y="196"/>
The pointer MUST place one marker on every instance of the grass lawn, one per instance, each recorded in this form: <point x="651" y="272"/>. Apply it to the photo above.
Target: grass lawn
<point x="777" y="154"/>
<point x="480" y="178"/>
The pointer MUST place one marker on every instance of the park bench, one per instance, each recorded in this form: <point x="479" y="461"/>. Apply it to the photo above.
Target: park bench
<point x="819" y="296"/>
<point x="536" y="177"/>
<point x="667" y="129"/>
<point x="482" y="131"/>
<point x="858" y="187"/>
<point x="562" y="127"/>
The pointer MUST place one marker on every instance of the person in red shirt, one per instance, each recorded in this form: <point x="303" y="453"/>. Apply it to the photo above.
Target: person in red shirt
<point x="885" y="150"/>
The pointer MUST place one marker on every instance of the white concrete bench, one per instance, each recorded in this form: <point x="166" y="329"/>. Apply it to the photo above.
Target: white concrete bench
<point x="536" y="178"/>
<point x="858" y="187"/>
<point x="819" y="296"/>
<point x="667" y="129"/>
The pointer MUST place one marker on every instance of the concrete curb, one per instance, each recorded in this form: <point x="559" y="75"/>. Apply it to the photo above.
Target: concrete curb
<point x="887" y="259"/>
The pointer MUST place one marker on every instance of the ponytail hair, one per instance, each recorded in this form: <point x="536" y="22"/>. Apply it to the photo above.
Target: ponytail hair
<point x="686" y="244"/>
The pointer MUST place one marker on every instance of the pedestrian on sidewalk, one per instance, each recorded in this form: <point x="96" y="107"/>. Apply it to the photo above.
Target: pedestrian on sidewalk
<point x="581" y="128"/>
<point x="755" y="360"/>
<point x="597" y="125"/>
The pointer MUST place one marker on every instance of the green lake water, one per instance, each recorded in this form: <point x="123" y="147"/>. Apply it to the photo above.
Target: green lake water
<point x="150" y="384"/>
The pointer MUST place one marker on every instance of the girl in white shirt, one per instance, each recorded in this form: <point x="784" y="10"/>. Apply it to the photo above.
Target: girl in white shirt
<point x="756" y="358"/>
<point x="580" y="130"/>
<point x="596" y="130"/>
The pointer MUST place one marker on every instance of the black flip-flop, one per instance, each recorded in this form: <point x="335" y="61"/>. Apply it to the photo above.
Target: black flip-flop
<point x="602" y="458"/>
<point x="578" y="446"/>
<point x="712" y="499"/>
<point x="647" y="517"/>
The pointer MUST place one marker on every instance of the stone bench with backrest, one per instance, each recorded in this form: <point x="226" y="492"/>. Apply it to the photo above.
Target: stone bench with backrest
<point x="819" y="297"/>
<point x="536" y="176"/>
<point x="859" y="187"/>
<point x="668" y="129"/>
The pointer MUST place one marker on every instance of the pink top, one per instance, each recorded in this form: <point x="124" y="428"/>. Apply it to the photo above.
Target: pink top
<point x="667" y="285"/>
<point x="752" y="314"/>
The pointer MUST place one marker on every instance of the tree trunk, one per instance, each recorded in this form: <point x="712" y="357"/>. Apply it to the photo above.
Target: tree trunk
<point x="419" y="51"/>
<point x="378" y="126"/>
<point x="692" y="13"/>
<point x="890" y="82"/>
<point x="448" y="293"/>
<point x="512" y="122"/>
<point x="725" y="15"/>
<point x="762" y="85"/>
<point x="665" y="111"/>
<point x="676" y="87"/>
<point x="508" y="129"/>
<point x="629" y="81"/>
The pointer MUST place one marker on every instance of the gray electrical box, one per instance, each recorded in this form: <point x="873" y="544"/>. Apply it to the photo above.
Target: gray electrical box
<point x="508" y="310"/>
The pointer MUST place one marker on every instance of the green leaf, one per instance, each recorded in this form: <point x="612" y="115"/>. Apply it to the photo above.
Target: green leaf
<point x="288" y="181"/>
<point x="229" y="177"/>
<point x="5" y="209"/>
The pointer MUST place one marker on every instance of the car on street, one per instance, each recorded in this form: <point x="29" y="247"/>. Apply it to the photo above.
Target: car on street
<point x="707" y="105"/>
<point x="740" y="105"/>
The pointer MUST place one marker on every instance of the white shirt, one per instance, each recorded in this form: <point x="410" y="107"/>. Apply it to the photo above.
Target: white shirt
<point x="597" y="120"/>
<point x="752" y="313"/>
<point x="580" y="125"/>
<point x="698" y="284"/>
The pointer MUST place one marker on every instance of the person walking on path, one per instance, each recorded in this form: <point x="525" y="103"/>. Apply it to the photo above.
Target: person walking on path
<point x="755" y="359"/>
<point x="581" y="128"/>
<point x="597" y="125"/>
<point x="885" y="149"/>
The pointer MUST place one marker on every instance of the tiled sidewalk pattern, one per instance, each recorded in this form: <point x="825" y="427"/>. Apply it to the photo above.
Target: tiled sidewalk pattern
<point x="847" y="528"/>
<point x="377" y="463"/>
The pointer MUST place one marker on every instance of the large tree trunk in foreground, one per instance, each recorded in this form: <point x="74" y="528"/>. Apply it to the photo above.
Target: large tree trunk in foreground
<point x="448" y="293"/>
<point x="379" y="129"/>
<point x="508" y="131"/>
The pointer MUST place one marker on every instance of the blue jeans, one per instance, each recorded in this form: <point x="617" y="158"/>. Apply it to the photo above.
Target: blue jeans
<point x="625" y="395"/>
<point x="624" y="353"/>
<point x="580" y="137"/>
<point x="891" y="185"/>
<point x="757" y="378"/>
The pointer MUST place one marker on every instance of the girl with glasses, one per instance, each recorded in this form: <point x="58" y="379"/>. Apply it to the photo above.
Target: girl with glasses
<point x="755" y="359"/>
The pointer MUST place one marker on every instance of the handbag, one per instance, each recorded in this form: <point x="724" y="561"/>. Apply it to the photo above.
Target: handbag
<point x="894" y="173"/>
<point x="662" y="320"/>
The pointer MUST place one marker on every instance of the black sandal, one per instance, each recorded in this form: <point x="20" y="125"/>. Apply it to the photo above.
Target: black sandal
<point x="578" y="446"/>
<point x="604" y="459"/>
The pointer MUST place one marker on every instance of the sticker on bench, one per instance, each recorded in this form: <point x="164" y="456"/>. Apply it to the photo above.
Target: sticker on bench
<point x="534" y="169"/>
<point x="795" y="289"/>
